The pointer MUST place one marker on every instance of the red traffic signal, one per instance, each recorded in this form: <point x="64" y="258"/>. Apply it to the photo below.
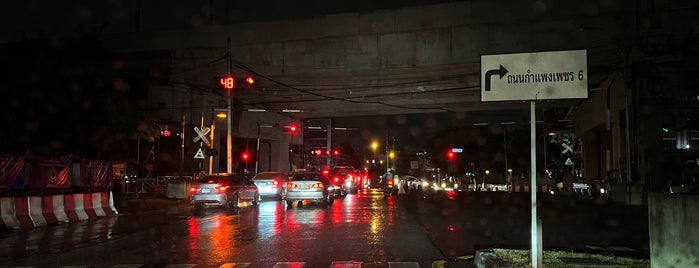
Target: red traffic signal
<point x="450" y="155"/>
<point x="292" y="128"/>
<point x="250" y="80"/>
<point x="245" y="156"/>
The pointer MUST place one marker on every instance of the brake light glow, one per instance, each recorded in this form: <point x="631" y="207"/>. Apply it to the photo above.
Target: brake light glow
<point x="336" y="179"/>
<point x="390" y="183"/>
<point x="291" y="185"/>
<point x="318" y="185"/>
<point x="275" y="182"/>
<point x="194" y="189"/>
<point x="221" y="188"/>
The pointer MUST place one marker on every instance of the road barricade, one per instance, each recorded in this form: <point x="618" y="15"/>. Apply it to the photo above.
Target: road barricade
<point x="34" y="211"/>
<point x="15" y="212"/>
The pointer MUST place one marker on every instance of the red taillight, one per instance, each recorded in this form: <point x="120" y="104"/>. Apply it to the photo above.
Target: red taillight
<point x="275" y="182"/>
<point x="291" y="185"/>
<point x="390" y="183"/>
<point x="318" y="185"/>
<point x="336" y="179"/>
<point x="221" y="188"/>
<point x="194" y="189"/>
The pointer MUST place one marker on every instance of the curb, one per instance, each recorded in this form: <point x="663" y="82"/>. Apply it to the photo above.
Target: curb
<point x="488" y="259"/>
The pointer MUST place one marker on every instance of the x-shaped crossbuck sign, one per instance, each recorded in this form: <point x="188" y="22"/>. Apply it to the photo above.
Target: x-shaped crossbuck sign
<point x="567" y="148"/>
<point x="201" y="135"/>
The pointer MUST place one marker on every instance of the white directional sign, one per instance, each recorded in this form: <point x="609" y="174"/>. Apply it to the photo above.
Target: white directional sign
<point x="201" y="134"/>
<point x="534" y="76"/>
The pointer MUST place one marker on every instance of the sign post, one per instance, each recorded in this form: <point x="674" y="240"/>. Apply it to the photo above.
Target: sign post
<point x="534" y="76"/>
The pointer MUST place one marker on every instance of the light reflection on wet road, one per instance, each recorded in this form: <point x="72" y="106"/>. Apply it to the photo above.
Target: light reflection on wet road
<point x="364" y="227"/>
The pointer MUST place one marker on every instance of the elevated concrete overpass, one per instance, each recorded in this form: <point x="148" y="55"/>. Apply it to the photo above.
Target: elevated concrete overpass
<point x="421" y="59"/>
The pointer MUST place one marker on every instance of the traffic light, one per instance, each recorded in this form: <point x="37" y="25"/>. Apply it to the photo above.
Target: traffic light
<point x="450" y="155"/>
<point x="211" y="152"/>
<point x="336" y="152"/>
<point x="229" y="82"/>
<point x="292" y="128"/>
<point x="245" y="156"/>
<point x="250" y="80"/>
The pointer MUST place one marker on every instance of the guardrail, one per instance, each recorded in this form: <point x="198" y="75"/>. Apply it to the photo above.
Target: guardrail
<point x="139" y="185"/>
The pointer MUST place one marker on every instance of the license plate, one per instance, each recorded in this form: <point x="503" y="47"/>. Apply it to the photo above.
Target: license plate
<point x="205" y="191"/>
<point x="304" y="187"/>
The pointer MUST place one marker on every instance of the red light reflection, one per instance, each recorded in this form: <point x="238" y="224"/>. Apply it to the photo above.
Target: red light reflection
<point x="213" y="238"/>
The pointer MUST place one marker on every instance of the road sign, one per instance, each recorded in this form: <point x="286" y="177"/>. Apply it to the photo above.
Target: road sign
<point x="199" y="154"/>
<point x="566" y="148"/>
<point x="457" y="150"/>
<point x="534" y="76"/>
<point x="201" y="135"/>
<point x="569" y="162"/>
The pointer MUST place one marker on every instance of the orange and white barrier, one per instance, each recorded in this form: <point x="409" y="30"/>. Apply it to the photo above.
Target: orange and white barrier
<point x="34" y="211"/>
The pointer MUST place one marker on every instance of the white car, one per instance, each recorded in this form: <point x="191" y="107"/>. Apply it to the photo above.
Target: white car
<point x="414" y="183"/>
<point x="271" y="184"/>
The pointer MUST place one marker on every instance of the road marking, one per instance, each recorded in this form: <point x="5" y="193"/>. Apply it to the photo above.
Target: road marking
<point x="233" y="264"/>
<point x="403" y="265"/>
<point x="346" y="264"/>
<point x="289" y="264"/>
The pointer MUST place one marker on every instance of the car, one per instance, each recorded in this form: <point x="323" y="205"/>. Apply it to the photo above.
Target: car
<point x="271" y="184"/>
<point x="309" y="186"/>
<point x="347" y="178"/>
<point x="223" y="190"/>
<point x="413" y="183"/>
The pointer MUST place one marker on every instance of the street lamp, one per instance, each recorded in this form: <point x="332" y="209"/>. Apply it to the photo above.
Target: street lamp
<point x="487" y="172"/>
<point x="374" y="147"/>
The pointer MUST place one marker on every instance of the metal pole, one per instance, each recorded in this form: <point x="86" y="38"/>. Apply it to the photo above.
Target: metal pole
<point x="229" y="135"/>
<point x="211" y="158"/>
<point x="182" y="151"/>
<point x="504" y="138"/>
<point x="257" y="150"/>
<point x="535" y="262"/>
<point x="229" y="115"/>
<point x="201" y="143"/>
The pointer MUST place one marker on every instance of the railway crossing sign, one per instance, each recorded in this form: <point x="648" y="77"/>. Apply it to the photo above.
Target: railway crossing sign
<point x="566" y="148"/>
<point x="201" y="135"/>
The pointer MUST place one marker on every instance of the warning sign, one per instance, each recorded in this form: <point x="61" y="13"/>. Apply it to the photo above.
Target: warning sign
<point x="199" y="155"/>
<point x="569" y="162"/>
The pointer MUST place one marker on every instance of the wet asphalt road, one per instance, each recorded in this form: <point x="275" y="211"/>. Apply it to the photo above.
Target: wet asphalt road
<point x="365" y="228"/>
